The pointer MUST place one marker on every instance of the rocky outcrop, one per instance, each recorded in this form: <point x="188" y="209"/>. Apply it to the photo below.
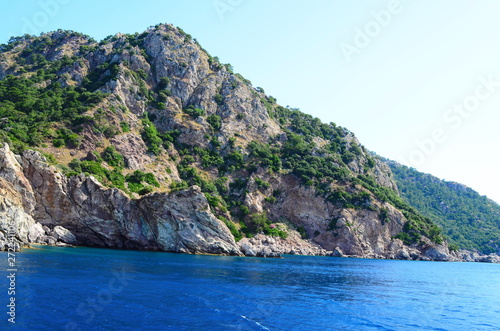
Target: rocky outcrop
<point x="63" y="235"/>
<point x="467" y="256"/>
<point x="182" y="222"/>
<point x="194" y="81"/>
<point x="354" y="232"/>
<point x="12" y="172"/>
<point x="267" y="246"/>
<point x="341" y="232"/>
<point x="79" y="210"/>
<point x="17" y="228"/>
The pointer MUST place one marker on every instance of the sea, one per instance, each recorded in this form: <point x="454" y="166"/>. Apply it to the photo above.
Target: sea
<point x="100" y="289"/>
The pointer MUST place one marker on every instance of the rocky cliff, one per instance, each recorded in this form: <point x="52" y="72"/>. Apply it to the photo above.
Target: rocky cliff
<point x="146" y="141"/>
<point x="80" y="211"/>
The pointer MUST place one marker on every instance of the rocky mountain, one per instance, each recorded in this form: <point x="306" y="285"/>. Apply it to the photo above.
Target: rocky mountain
<point x="469" y="220"/>
<point x="146" y="141"/>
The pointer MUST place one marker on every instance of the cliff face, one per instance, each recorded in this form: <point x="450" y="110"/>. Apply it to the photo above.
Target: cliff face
<point x="157" y="145"/>
<point x="80" y="211"/>
<point x="17" y="228"/>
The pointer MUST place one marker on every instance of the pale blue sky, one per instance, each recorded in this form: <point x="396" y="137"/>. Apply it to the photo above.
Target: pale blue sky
<point x="421" y="58"/>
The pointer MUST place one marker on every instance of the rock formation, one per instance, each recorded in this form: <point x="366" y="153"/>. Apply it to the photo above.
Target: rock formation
<point x="159" y="146"/>
<point x="80" y="211"/>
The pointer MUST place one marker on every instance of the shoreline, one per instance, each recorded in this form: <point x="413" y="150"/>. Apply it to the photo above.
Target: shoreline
<point x="490" y="258"/>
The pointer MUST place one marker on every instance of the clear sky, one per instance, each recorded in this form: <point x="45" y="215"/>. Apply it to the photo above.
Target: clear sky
<point x="416" y="81"/>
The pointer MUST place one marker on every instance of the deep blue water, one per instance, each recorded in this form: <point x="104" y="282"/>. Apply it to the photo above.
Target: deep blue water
<point x="98" y="289"/>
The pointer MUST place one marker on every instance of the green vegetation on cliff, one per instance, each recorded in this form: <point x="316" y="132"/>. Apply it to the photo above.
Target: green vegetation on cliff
<point x="63" y="102"/>
<point x="469" y="220"/>
<point x="31" y="115"/>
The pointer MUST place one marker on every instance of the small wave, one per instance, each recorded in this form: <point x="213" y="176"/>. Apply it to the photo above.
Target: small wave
<point x="257" y="323"/>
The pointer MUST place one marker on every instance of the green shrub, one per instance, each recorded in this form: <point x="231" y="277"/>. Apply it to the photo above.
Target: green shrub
<point x="187" y="159"/>
<point x="163" y="83"/>
<point x="51" y="159"/>
<point x="76" y="165"/>
<point x="215" y="121"/>
<point x="117" y="179"/>
<point x="108" y="131"/>
<point x="270" y="199"/>
<point x="219" y="99"/>
<point x="59" y="142"/>
<point x="163" y="95"/>
<point x="135" y="187"/>
<point x="146" y="190"/>
<point x="151" y="137"/>
<point x="111" y="178"/>
<point x="244" y="210"/>
<point x="235" y="158"/>
<point x="98" y="157"/>
<point x="265" y="155"/>
<point x="176" y="186"/>
<point x="238" y="184"/>
<point x="214" y="141"/>
<point x="193" y="111"/>
<point x="157" y="104"/>
<point x="407" y="238"/>
<point x="212" y="200"/>
<point x="66" y="137"/>
<point x="138" y="180"/>
<point x="139" y="177"/>
<point x="207" y="186"/>
<point x="384" y="215"/>
<point x="170" y="136"/>
<point x="302" y="231"/>
<point x="332" y="225"/>
<point x="232" y="227"/>
<point x="221" y="184"/>
<point x="211" y="159"/>
<point x="125" y="126"/>
<point x="256" y="223"/>
<point x="261" y="184"/>
<point x="271" y="230"/>
<point x="112" y="157"/>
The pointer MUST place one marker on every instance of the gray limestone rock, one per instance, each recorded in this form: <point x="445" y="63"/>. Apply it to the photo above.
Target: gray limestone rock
<point x="64" y="235"/>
